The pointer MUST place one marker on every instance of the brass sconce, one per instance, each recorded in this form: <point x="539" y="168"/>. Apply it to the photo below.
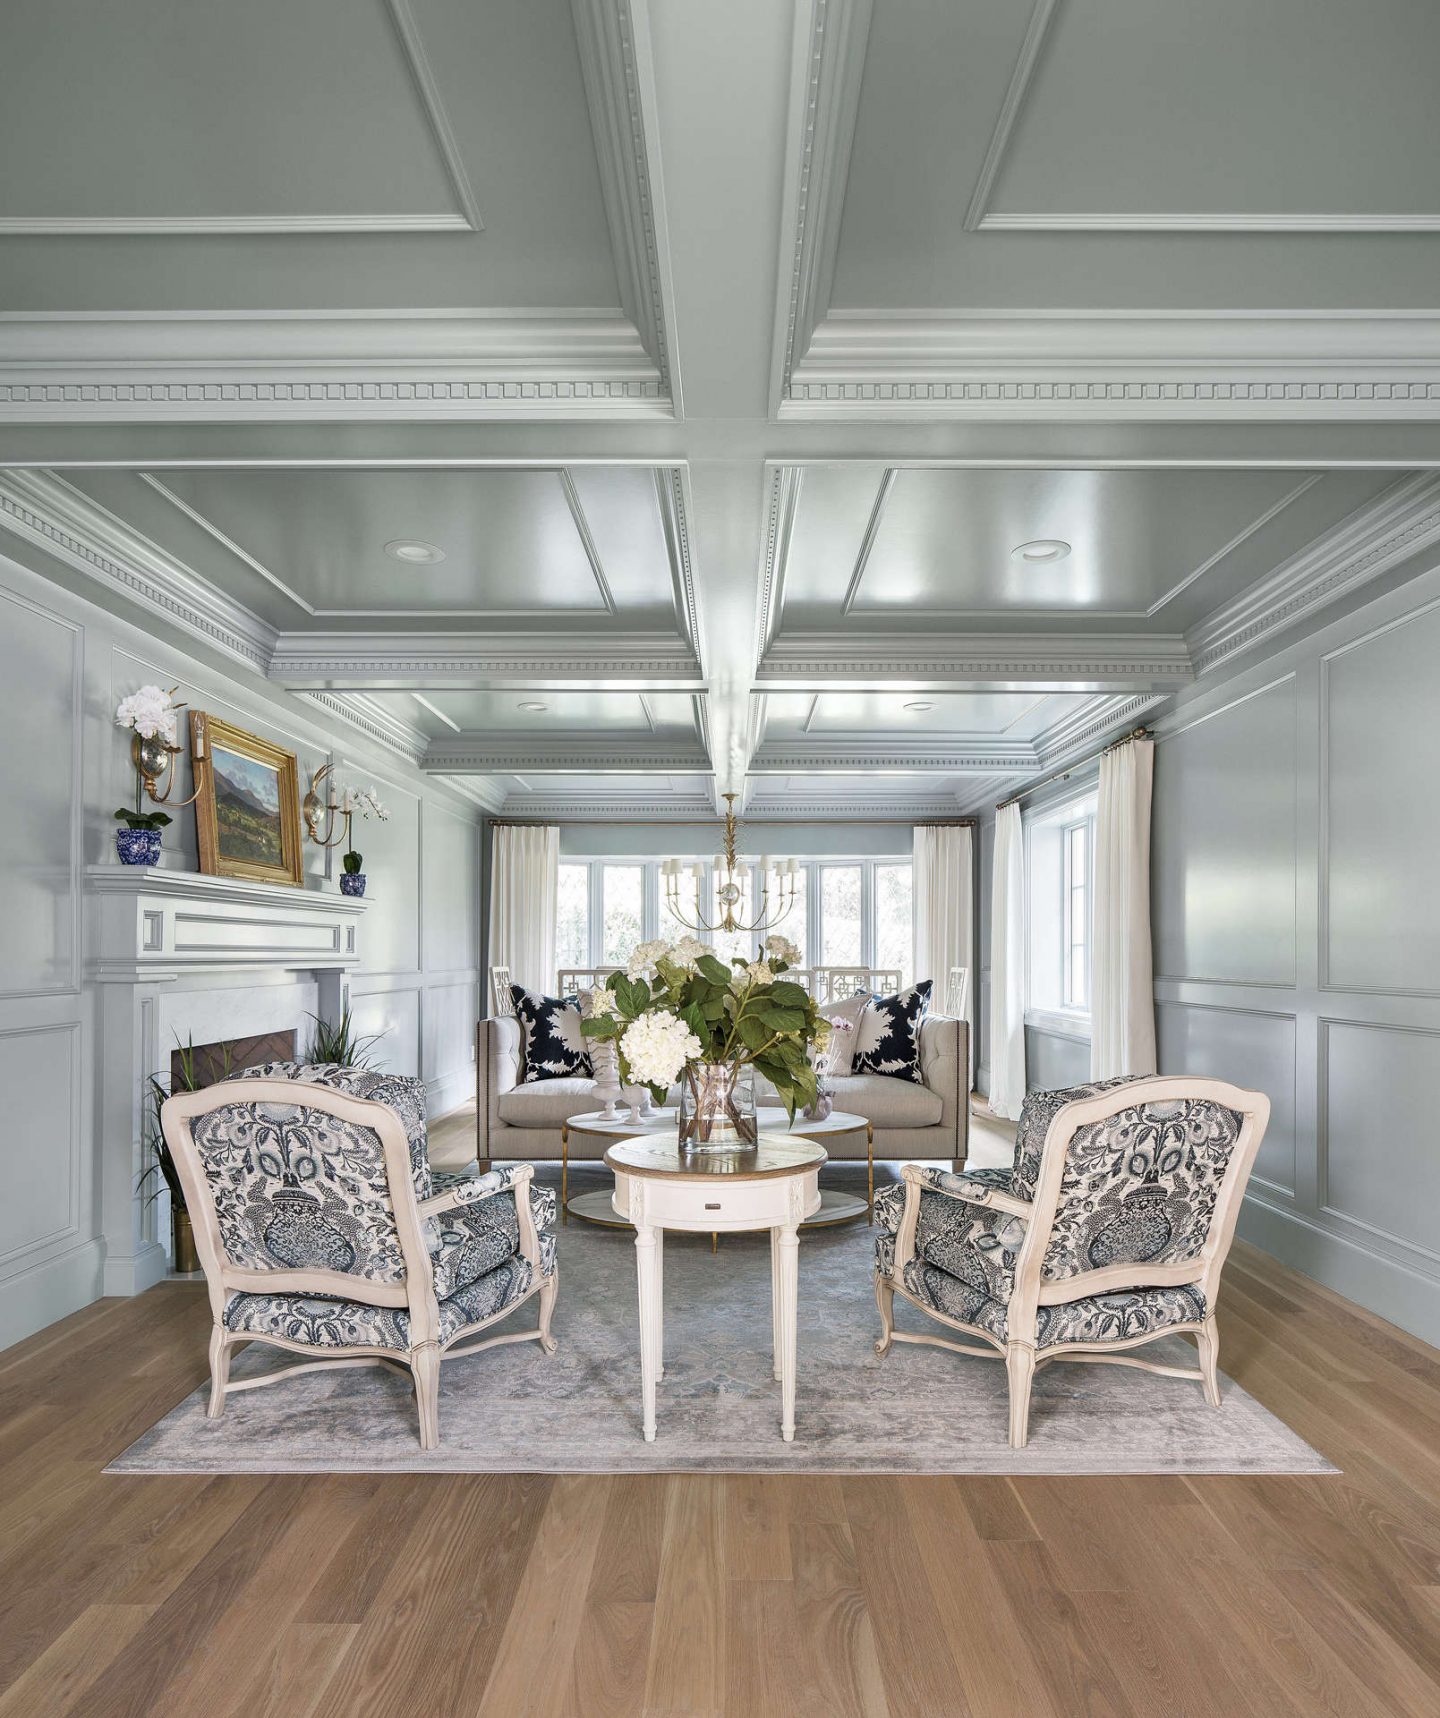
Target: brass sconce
<point x="314" y="808"/>
<point x="155" y="761"/>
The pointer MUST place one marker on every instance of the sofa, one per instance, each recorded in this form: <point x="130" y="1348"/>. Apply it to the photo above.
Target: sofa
<point x="523" y="1122"/>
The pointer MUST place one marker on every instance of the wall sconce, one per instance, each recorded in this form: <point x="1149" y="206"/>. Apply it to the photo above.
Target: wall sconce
<point x="314" y="808"/>
<point x="154" y="761"/>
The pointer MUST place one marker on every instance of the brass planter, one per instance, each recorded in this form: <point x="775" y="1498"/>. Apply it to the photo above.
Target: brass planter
<point x="187" y="1260"/>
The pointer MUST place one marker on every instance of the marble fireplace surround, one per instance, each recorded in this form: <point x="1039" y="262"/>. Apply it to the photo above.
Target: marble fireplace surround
<point x="180" y="956"/>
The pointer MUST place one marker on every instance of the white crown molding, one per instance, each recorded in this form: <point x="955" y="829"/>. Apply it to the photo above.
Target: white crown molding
<point x="1378" y="536"/>
<point x="47" y="511"/>
<point x="1116" y="364"/>
<point x="1015" y="94"/>
<point x="844" y="753"/>
<point x="394" y="661"/>
<point x="373" y="720"/>
<point x="1097" y="718"/>
<point x="428" y="91"/>
<point x="324" y="365"/>
<point x="564" y="754"/>
<point x="785" y="486"/>
<point x="827" y="61"/>
<point x="674" y="808"/>
<point x="1065" y="662"/>
<point x="489" y="795"/>
<point x="615" y="67"/>
<point x="792" y="809"/>
<point x="670" y="491"/>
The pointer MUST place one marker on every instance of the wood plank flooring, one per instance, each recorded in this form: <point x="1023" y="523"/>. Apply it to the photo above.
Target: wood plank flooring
<point x="741" y="1596"/>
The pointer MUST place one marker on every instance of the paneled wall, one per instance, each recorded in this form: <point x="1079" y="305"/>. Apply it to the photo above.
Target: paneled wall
<point x="1296" y="924"/>
<point x="64" y="663"/>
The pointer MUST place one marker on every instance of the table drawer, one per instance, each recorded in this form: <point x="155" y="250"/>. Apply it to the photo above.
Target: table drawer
<point x="705" y="1205"/>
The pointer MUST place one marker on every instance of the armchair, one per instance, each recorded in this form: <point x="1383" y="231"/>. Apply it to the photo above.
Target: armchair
<point x="319" y="1233"/>
<point x="1109" y="1230"/>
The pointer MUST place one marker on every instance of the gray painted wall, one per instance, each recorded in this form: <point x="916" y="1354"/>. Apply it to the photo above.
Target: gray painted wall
<point x="1296" y="925"/>
<point x="64" y="664"/>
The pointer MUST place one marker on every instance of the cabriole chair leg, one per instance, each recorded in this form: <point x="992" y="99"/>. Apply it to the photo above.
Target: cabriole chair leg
<point x="219" y="1371"/>
<point x="425" y="1367"/>
<point x="548" y="1292"/>
<point x="885" y="1300"/>
<point x="1019" y="1370"/>
<point x="1207" y="1341"/>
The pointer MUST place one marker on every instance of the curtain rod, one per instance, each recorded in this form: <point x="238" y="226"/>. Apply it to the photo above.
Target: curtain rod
<point x="1070" y="769"/>
<point x="748" y="822"/>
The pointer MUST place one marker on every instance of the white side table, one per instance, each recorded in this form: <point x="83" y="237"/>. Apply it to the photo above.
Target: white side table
<point x="776" y="1187"/>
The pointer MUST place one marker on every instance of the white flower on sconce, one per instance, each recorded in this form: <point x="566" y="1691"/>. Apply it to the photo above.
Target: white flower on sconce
<point x="364" y="802"/>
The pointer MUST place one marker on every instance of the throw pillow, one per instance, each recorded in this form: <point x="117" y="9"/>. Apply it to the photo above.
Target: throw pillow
<point x="889" y="1035"/>
<point x="552" y="1045"/>
<point x="848" y="1010"/>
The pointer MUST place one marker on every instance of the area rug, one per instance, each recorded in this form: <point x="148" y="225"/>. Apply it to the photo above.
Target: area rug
<point x="920" y="1410"/>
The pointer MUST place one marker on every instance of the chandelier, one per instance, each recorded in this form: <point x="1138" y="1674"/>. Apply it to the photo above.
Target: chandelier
<point x="731" y="876"/>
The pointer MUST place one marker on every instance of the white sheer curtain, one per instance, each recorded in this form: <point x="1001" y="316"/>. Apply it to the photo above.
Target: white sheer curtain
<point x="944" y="896"/>
<point x="1007" y="966"/>
<point x="524" y="886"/>
<point x="1122" y="989"/>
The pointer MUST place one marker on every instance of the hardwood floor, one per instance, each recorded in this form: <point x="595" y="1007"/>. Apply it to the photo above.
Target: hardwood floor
<point x="582" y="1597"/>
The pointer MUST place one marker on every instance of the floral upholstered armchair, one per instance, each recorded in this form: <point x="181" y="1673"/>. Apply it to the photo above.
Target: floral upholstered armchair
<point x="1109" y="1230"/>
<point x="319" y="1230"/>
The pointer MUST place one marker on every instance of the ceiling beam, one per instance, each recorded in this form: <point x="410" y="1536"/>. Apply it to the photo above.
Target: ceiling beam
<point x="934" y="661"/>
<point x="560" y="754"/>
<point x="414" y="661"/>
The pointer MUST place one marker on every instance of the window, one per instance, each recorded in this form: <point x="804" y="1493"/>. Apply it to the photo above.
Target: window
<point x="847" y="912"/>
<point x="572" y="918"/>
<point x="1060" y="848"/>
<point x="1076" y="884"/>
<point x="623" y="912"/>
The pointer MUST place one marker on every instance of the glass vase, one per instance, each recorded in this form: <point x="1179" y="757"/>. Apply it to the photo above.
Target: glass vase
<point x="717" y="1107"/>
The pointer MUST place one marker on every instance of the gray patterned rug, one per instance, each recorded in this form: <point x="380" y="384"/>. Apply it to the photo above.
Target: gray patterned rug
<point x="918" y="1411"/>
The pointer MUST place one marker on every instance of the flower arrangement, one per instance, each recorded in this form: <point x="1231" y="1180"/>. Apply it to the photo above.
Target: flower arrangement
<point x="677" y="1004"/>
<point x="152" y="716"/>
<point x="360" y="802"/>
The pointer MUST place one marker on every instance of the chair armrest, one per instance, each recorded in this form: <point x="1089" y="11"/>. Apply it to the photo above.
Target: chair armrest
<point x="922" y="1178"/>
<point x="514" y="1179"/>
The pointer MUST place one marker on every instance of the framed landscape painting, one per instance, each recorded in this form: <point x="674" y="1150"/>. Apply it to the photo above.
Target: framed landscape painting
<point x="248" y="816"/>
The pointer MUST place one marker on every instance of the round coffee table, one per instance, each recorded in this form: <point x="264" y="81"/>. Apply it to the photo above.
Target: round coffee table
<point x="774" y="1186"/>
<point x="834" y="1207"/>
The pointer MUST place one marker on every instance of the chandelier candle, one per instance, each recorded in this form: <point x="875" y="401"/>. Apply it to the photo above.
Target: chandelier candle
<point x="779" y="881"/>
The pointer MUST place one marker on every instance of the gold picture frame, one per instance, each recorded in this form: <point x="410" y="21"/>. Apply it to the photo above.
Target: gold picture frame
<point x="247" y="818"/>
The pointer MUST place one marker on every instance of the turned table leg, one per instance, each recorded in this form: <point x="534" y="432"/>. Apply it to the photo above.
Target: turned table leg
<point x="789" y="1273"/>
<point x="648" y="1273"/>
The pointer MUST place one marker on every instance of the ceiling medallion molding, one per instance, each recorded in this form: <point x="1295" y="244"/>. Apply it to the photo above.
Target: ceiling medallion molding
<point x="392" y="660"/>
<point x="670" y="491"/>
<point x="619" y="96"/>
<point x="1066" y="662"/>
<point x="1119" y="364"/>
<point x="563" y="755"/>
<point x="324" y="366"/>
<point x="47" y="511"/>
<point x="828" y="59"/>
<point x="373" y="721"/>
<point x="1401" y="522"/>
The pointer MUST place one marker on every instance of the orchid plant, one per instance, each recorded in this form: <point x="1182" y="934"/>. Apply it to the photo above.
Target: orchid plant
<point x="677" y="1003"/>
<point x="360" y="802"/>
<point x="151" y="714"/>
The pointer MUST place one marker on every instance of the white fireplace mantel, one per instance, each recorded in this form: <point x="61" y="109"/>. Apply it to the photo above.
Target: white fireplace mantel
<point x="175" y="949"/>
<point x="149" y="924"/>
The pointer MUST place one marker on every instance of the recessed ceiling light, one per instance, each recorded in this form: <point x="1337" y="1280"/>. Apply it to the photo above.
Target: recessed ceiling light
<point x="414" y="553"/>
<point x="532" y="706"/>
<point x="1042" y="549"/>
<point x="920" y="704"/>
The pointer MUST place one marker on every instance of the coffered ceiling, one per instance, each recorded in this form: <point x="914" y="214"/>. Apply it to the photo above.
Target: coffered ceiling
<point x="863" y="404"/>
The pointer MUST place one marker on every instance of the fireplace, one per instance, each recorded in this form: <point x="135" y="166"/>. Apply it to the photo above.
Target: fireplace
<point x="210" y="1063"/>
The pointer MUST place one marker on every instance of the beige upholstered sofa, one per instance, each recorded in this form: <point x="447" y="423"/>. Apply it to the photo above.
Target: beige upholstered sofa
<point x="524" y="1122"/>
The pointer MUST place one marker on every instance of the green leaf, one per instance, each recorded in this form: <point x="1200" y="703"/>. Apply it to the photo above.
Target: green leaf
<point x="789" y="995"/>
<point x="694" y="1018"/>
<point x="642" y="995"/>
<point x="714" y="970"/>
<point x="603" y="1026"/>
<point x="752" y="1032"/>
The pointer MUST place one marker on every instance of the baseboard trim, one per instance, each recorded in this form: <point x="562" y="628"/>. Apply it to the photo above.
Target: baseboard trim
<point x="1383" y="1286"/>
<point x="133" y="1273"/>
<point x="49" y="1291"/>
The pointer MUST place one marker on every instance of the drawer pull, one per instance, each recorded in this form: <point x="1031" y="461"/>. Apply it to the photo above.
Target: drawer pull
<point x="714" y="1207"/>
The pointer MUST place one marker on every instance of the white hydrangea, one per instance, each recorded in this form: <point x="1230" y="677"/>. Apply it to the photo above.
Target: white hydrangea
<point x="686" y="953"/>
<point x="756" y="972"/>
<point x="782" y="949"/>
<point x="645" y="956"/>
<point x="600" y="1003"/>
<point x="150" y="713"/>
<point x="657" y="1046"/>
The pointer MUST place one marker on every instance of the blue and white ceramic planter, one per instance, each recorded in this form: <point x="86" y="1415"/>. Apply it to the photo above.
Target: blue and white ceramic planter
<point x="352" y="882"/>
<point x="138" y="846"/>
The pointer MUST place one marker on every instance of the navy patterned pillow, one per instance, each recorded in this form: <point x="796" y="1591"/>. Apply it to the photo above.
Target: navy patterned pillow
<point x="551" y="1042"/>
<point x="889" y="1035"/>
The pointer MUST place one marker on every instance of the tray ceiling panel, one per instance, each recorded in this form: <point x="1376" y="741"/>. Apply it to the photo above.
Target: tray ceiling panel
<point x="442" y="712"/>
<point x="938" y="715"/>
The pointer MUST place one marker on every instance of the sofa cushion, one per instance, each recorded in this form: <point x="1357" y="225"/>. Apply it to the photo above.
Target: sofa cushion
<point x="888" y="1041"/>
<point x="547" y="1103"/>
<point x="553" y="1046"/>
<point x="888" y="1102"/>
